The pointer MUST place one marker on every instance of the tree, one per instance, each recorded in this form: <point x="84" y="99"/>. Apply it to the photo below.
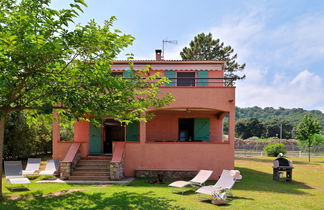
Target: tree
<point x="248" y="127"/>
<point x="272" y="128"/>
<point x="204" y="47"/>
<point x="306" y="132"/>
<point x="46" y="65"/>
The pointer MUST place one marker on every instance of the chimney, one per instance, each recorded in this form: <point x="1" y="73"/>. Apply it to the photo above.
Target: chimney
<point x="158" y="55"/>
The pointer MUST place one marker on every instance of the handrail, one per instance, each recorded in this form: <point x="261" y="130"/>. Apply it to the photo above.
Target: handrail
<point x="198" y="81"/>
<point x="73" y="150"/>
<point x="118" y="152"/>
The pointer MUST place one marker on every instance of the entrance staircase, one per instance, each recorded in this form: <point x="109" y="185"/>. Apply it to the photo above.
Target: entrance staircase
<point x="92" y="168"/>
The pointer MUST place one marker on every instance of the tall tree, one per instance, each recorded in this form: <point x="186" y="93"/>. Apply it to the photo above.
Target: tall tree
<point x="248" y="127"/>
<point x="46" y="65"/>
<point x="204" y="47"/>
<point x="306" y="132"/>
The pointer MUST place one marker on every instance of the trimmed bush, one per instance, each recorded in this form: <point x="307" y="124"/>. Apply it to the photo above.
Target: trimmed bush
<point x="273" y="149"/>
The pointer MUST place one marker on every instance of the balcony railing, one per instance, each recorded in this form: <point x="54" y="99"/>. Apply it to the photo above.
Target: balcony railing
<point x="200" y="82"/>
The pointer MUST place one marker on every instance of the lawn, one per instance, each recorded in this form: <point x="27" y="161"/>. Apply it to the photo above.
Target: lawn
<point x="255" y="191"/>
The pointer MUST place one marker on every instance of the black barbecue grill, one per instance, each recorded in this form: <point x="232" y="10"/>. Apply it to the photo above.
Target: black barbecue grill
<point x="280" y="167"/>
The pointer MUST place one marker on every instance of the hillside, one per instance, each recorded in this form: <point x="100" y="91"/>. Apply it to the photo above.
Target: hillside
<point x="264" y="114"/>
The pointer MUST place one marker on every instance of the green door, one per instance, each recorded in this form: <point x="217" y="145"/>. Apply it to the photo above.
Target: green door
<point x="170" y="74"/>
<point x="201" y="129"/>
<point x="95" y="140"/>
<point x="202" y="74"/>
<point x="132" y="131"/>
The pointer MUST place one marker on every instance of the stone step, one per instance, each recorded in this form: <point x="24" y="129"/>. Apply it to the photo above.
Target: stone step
<point x="94" y="162"/>
<point x="98" y="157"/>
<point x="90" y="173"/>
<point x="92" y="168"/>
<point x="96" y="178"/>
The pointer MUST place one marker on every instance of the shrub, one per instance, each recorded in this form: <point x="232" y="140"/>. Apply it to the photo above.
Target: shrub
<point x="254" y="138"/>
<point x="273" y="149"/>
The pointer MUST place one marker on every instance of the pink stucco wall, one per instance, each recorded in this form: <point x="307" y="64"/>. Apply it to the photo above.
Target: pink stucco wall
<point x="196" y="156"/>
<point x="164" y="126"/>
<point x="216" y="98"/>
<point x="81" y="135"/>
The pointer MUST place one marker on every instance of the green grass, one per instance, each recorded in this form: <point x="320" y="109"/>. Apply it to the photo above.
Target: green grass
<point x="255" y="191"/>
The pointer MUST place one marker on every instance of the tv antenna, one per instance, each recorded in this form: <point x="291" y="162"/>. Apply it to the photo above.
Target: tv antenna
<point x="167" y="41"/>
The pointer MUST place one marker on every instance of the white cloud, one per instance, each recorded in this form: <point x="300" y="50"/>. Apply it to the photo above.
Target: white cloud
<point x="306" y="90"/>
<point x="288" y="45"/>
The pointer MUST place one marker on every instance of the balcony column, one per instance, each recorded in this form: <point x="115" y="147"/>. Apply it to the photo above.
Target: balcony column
<point x="231" y="127"/>
<point x="142" y="132"/>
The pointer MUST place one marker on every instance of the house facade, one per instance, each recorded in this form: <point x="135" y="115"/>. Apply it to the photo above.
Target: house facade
<point x="186" y="135"/>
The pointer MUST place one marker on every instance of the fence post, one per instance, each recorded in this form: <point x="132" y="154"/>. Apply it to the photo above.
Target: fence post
<point x="299" y="153"/>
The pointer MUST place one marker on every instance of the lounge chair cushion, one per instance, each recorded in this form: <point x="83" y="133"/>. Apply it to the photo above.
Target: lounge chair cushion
<point x="32" y="166"/>
<point x="26" y="172"/>
<point x="199" y="179"/>
<point x="179" y="184"/>
<point x="52" y="172"/>
<point x="208" y="190"/>
<point x="18" y="181"/>
<point x="226" y="181"/>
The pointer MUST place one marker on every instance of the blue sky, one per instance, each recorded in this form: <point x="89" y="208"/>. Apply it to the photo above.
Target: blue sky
<point x="281" y="41"/>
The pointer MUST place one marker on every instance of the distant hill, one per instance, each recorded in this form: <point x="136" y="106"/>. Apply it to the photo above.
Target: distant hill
<point x="264" y="114"/>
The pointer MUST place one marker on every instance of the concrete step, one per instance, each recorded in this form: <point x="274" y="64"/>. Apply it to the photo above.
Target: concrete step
<point x="95" y="178"/>
<point x="90" y="173"/>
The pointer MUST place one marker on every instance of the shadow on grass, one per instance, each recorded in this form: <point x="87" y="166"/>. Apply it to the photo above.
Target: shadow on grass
<point x="254" y="180"/>
<point x="81" y="200"/>
<point x="17" y="189"/>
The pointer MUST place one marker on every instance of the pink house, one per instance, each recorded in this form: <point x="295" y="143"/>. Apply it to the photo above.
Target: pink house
<point x="183" y="137"/>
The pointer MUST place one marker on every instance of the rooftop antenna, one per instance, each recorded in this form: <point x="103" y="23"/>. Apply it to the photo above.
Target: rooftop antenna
<point x="167" y="41"/>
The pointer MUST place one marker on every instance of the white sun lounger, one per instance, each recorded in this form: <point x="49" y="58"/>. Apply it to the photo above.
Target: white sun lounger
<point x="32" y="166"/>
<point x="198" y="180"/>
<point x="51" y="167"/>
<point x="13" y="173"/>
<point x="226" y="181"/>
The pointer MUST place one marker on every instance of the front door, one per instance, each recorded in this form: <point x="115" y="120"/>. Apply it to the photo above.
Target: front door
<point x="186" y="129"/>
<point x="95" y="140"/>
<point x="114" y="131"/>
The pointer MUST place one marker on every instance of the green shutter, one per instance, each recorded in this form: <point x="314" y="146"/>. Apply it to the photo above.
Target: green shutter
<point x="128" y="73"/>
<point x="170" y="74"/>
<point x="95" y="140"/>
<point x="132" y="131"/>
<point x="202" y="129"/>
<point x="202" y="74"/>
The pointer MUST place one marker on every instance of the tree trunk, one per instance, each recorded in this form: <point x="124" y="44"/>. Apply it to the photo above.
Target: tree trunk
<point x="309" y="149"/>
<point x="2" y="130"/>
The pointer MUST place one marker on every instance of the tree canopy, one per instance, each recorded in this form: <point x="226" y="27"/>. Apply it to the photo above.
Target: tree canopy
<point x="47" y="62"/>
<point x="204" y="47"/>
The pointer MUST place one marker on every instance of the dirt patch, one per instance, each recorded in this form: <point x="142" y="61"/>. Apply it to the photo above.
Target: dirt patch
<point x="102" y="185"/>
<point x="55" y="194"/>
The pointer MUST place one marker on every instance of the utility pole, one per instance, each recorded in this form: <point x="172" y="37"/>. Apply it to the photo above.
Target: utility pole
<point x="280" y="130"/>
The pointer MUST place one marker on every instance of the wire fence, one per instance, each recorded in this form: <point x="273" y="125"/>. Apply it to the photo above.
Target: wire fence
<point x="249" y="153"/>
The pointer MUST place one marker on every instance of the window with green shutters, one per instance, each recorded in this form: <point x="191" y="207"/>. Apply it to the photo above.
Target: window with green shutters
<point x="202" y="74"/>
<point x="170" y="74"/>
<point x="202" y="129"/>
<point x="128" y="73"/>
<point x="132" y="131"/>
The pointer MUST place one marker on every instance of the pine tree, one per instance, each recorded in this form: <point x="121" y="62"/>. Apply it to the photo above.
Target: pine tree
<point x="203" y="47"/>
